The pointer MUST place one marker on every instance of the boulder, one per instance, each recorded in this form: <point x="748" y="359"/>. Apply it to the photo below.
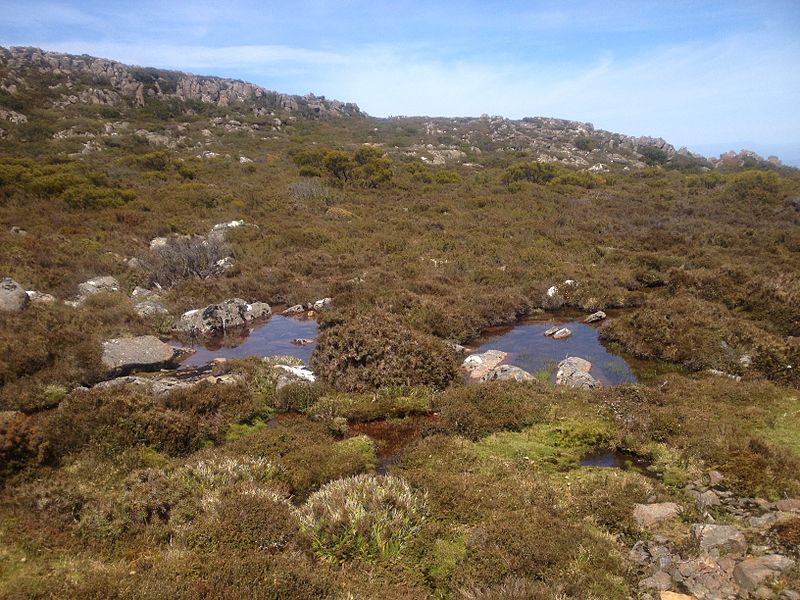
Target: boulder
<point x="97" y="285"/>
<point x="478" y="365"/>
<point x="724" y="538"/>
<point x="562" y="334"/>
<point x="150" y="308"/>
<point x="552" y="330"/>
<point x="648" y="515"/>
<point x="145" y="353"/>
<point x="302" y="342"/>
<point x="297" y="309"/>
<point x="507" y="373"/>
<point x="753" y="572"/>
<point x="13" y="297"/>
<point x="219" y="318"/>
<point x="595" y="317"/>
<point x="574" y="372"/>
<point x="322" y="303"/>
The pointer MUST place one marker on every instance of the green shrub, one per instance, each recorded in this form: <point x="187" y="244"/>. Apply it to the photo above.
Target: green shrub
<point x="365" y="517"/>
<point x="535" y="172"/>
<point x="376" y="350"/>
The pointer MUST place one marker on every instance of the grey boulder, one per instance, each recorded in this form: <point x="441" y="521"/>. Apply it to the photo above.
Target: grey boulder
<point x="219" y="318"/>
<point x="142" y="353"/>
<point x="13" y="297"/>
<point x="574" y="372"/>
<point x="507" y="373"/>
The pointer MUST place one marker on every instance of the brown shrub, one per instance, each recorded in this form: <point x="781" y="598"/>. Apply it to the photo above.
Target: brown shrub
<point x="475" y="411"/>
<point x="376" y="350"/>
<point x="193" y="257"/>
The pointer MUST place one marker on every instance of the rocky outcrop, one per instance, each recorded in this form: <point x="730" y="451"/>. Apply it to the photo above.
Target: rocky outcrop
<point x="143" y="353"/>
<point x="115" y="84"/>
<point x="217" y="319"/>
<point x="13" y="297"/>
<point x="574" y="372"/>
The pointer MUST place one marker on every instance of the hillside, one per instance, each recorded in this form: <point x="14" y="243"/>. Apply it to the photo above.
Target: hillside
<point x="269" y="346"/>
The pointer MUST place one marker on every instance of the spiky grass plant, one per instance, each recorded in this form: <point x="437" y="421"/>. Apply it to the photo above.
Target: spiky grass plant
<point x="363" y="517"/>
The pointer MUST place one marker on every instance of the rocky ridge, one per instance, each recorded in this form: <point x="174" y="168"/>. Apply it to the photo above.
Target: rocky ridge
<point x="99" y="81"/>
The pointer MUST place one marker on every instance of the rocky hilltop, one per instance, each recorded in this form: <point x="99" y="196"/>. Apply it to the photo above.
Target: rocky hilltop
<point x="98" y="81"/>
<point x="31" y="78"/>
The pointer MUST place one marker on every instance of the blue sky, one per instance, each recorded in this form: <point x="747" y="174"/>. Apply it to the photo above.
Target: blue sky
<point x="710" y="74"/>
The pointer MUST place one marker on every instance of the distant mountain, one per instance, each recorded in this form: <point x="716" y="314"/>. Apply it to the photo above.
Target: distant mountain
<point x="34" y="82"/>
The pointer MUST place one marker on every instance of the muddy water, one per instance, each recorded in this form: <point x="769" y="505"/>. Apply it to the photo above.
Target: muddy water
<point x="529" y="349"/>
<point x="614" y="459"/>
<point x="272" y="337"/>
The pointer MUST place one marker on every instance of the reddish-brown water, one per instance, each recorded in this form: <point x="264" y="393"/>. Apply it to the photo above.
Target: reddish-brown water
<point x="392" y="437"/>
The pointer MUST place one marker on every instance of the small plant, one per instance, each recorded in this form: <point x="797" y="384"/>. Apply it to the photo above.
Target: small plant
<point x="364" y="517"/>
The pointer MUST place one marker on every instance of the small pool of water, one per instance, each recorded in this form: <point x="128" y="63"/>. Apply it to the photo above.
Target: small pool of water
<point x="615" y="459"/>
<point x="272" y="337"/>
<point x="529" y="349"/>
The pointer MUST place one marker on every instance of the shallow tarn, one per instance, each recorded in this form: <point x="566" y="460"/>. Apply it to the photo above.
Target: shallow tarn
<point x="529" y="349"/>
<point x="272" y="337"/>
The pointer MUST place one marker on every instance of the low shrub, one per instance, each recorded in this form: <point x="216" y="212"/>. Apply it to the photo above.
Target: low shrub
<point x="475" y="411"/>
<point x="365" y="517"/>
<point x="376" y="350"/>
<point x="193" y="257"/>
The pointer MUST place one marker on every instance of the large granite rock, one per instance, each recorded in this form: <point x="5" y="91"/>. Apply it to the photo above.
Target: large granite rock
<point x="219" y="318"/>
<point x="13" y="297"/>
<point x="574" y="372"/>
<point x="143" y="353"/>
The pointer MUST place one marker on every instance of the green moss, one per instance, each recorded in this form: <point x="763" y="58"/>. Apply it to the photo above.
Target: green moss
<point x="445" y="556"/>
<point x="239" y="430"/>
<point x="548" y="446"/>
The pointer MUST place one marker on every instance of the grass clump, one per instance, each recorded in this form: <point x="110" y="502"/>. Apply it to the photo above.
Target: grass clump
<point x="388" y="403"/>
<point x="364" y="517"/>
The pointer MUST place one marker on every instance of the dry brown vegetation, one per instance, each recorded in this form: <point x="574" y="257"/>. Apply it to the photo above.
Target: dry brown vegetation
<point x="120" y="493"/>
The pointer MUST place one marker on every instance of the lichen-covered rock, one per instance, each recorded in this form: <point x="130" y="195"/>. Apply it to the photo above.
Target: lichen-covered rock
<point x="13" y="297"/>
<point x="724" y="538"/>
<point x="145" y="353"/>
<point x="507" y="373"/>
<point x="97" y="285"/>
<point x="595" y="317"/>
<point x="574" y="372"/>
<point x="220" y="318"/>
<point x="648" y="515"/>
